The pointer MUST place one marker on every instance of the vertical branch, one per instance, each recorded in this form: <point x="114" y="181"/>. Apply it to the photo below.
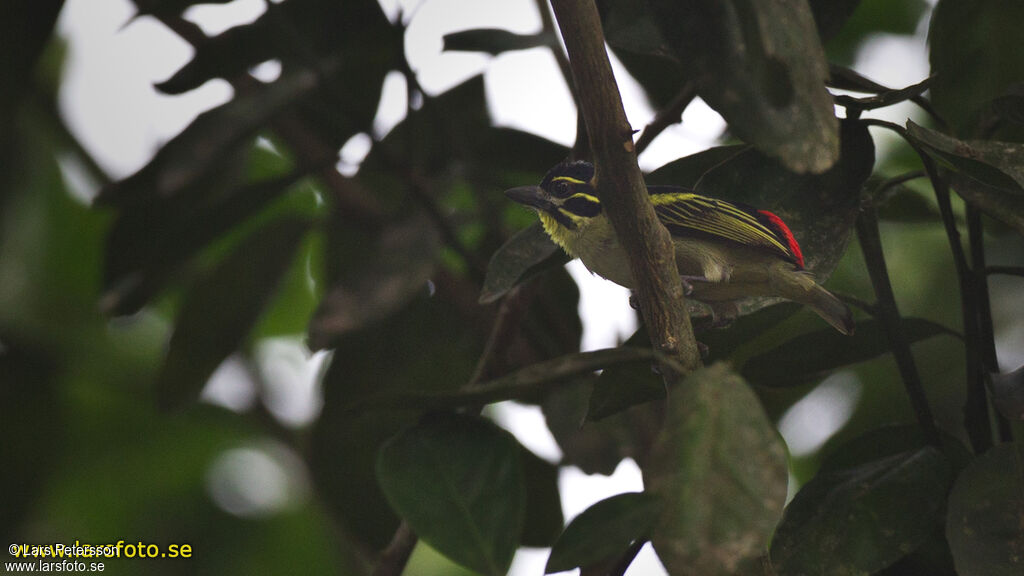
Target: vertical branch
<point x="889" y="315"/>
<point x="621" y="187"/>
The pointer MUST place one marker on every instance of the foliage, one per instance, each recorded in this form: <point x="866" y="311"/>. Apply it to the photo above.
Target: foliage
<point x="434" y="298"/>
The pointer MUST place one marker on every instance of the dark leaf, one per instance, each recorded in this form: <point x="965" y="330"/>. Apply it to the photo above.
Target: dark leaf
<point x="220" y="310"/>
<point x="424" y="347"/>
<point x="544" y="520"/>
<point x="986" y="173"/>
<point x="471" y="506"/>
<point x="888" y="441"/>
<point x="719" y="469"/>
<point x="619" y="387"/>
<point x="723" y="343"/>
<point x="27" y="392"/>
<point x="170" y="7"/>
<point x="525" y="254"/>
<point x="594" y="447"/>
<point x="860" y="520"/>
<point x="493" y="41"/>
<point x="604" y="531"/>
<point x="200" y="149"/>
<point x="402" y="263"/>
<point x="148" y="242"/>
<point x="984" y="526"/>
<point x="817" y="353"/>
<point x="1008" y="393"/>
<point x="975" y="55"/>
<point x="688" y="170"/>
<point x="830" y="15"/>
<point x="760" y="65"/>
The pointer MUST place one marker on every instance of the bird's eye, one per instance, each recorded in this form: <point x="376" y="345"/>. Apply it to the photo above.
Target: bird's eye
<point x="561" y="188"/>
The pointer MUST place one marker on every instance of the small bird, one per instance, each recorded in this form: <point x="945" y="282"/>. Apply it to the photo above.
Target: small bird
<point x="725" y="251"/>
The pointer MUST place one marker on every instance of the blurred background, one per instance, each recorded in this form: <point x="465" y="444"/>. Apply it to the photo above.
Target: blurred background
<point x="89" y="457"/>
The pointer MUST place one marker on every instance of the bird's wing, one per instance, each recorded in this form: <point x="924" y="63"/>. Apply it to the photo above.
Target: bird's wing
<point x="692" y="215"/>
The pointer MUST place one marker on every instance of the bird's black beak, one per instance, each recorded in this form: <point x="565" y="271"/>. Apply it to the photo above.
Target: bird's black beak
<point x="533" y="196"/>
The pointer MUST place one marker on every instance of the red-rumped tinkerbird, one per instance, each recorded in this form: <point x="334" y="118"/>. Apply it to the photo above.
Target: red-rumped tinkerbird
<point x="725" y="251"/>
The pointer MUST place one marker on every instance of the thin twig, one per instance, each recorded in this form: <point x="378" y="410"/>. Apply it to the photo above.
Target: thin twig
<point x="986" y="327"/>
<point x="892" y="324"/>
<point x="671" y="114"/>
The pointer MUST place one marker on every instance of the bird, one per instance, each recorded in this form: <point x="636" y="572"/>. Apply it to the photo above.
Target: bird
<point x="725" y="251"/>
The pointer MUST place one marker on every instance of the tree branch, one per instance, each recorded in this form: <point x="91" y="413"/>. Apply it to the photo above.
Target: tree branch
<point x="621" y="186"/>
<point x="671" y="114"/>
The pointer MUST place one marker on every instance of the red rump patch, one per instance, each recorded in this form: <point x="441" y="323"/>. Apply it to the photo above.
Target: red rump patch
<point x="780" y="227"/>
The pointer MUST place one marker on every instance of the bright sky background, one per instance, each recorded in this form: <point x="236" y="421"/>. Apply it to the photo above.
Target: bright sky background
<point x="112" y="107"/>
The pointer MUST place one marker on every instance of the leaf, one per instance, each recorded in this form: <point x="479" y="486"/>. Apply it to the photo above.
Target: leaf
<point x="719" y="468"/>
<point x="471" y="509"/>
<point x="149" y="242"/>
<point x="817" y="353"/>
<point x="200" y="149"/>
<point x="830" y="15"/>
<point x="619" y="387"/>
<point x="220" y="310"/>
<point x="27" y="391"/>
<point x="1008" y="393"/>
<point x="424" y="347"/>
<point x="887" y="441"/>
<point x="859" y="520"/>
<point x="986" y="173"/>
<point x="870" y="18"/>
<point x="525" y="254"/>
<point x="493" y="41"/>
<point x="974" y="50"/>
<point x="169" y="7"/>
<point x="761" y="66"/>
<point x="543" y="519"/>
<point x="687" y="171"/>
<point x="402" y="263"/>
<point x="604" y="531"/>
<point x="986" y="506"/>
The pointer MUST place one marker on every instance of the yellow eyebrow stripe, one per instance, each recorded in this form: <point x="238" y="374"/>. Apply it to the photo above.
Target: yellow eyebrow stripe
<point x="567" y="179"/>
<point x="585" y="196"/>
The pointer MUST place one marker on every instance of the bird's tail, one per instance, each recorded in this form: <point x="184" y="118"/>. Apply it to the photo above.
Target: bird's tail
<point x="831" y="309"/>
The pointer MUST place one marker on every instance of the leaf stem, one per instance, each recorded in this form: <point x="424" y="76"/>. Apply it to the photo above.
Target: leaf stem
<point x="892" y="324"/>
<point x="671" y="114"/>
<point x="986" y="327"/>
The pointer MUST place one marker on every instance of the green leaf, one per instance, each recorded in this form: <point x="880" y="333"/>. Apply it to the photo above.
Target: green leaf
<point x="859" y="520"/>
<point x="761" y="66"/>
<point x="986" y="506"/>
<point x="149" y="242"/>
<point x="870" y="18"/>
<point x="401" y="265"/>
<point x="719" y="468"/>
<point x="814" y="354"/>
<point x="887" y="441"/>
<point x="200" y="150"/>
<point x="493" y="41"/>
<point x="1008" y="393"/>
<point x="27" y="391"/>
<point x="221" y="309"/>
<point x="524" y="255"/>
<point x="544" y="520"/>
<point x="619" y="387"/>
<point x="470" y="508"/>
<point x="424" y="347"/>
<point x="604" y="531"/>
<point x="986" y="173"/>
<point x="975" y="55"/>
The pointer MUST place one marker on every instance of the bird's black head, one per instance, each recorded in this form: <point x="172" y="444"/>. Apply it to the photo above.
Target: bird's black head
<point x="566" y="194"/>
